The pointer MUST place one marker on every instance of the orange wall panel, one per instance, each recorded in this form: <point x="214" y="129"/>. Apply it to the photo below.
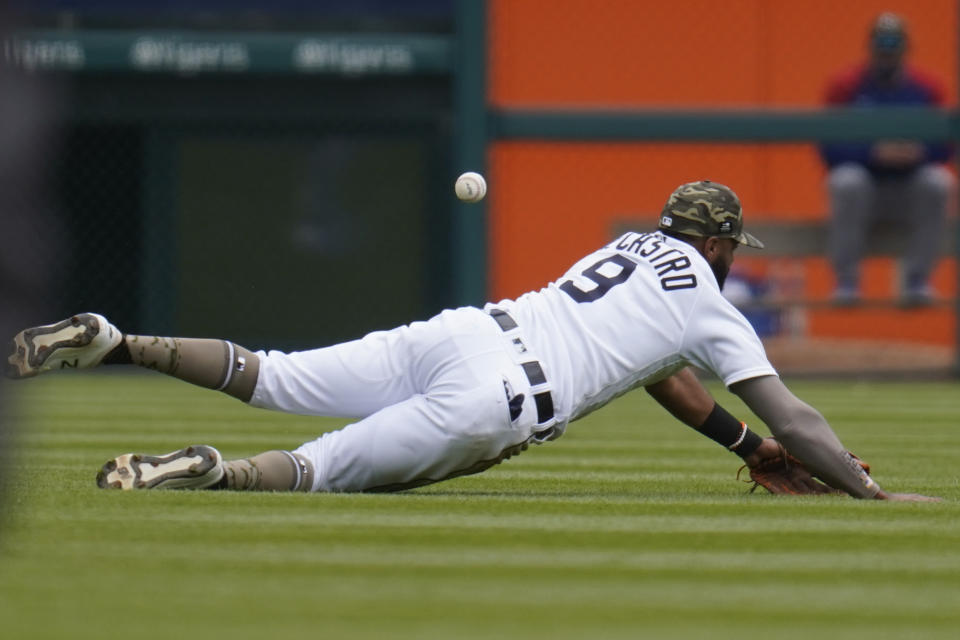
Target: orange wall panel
<point x="644" y="53"/>
<point x="623" y="52"/>
<point x="934" y="326"/>
<point x="791" y="184"/>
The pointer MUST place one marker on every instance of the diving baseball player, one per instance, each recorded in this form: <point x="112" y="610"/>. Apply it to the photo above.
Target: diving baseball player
<point x="468" y="388"/>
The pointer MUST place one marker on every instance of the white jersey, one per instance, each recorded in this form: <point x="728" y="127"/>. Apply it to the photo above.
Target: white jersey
<point x="457" y="393"/>
<point x="633" y="313"/>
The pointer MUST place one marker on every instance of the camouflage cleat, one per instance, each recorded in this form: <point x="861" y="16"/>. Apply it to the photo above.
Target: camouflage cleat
<point x="79" y="342"/>
<point x="195" y="467"/>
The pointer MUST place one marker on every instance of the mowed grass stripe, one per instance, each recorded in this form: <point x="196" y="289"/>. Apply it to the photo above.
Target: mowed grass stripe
<point x="373" y="551"/>
<point x="630" y="526"/>
<point x="572" y="510"/>
<point x="456" y="597"/>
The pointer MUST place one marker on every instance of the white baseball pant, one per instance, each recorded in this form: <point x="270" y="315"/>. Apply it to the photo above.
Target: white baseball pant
<point x="433" y="398"/>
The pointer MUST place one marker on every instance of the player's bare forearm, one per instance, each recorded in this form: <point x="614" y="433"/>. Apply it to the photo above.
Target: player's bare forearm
<point x="684" y="397"/>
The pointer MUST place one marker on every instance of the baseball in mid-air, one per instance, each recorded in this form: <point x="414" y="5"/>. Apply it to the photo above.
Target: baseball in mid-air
<point x="471" y="187"/>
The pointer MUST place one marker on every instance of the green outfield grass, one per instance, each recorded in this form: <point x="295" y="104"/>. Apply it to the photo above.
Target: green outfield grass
<point x="630" y="526"/>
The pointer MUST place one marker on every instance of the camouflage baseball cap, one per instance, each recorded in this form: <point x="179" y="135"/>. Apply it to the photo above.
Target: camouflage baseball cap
<point x="704" y="209"/>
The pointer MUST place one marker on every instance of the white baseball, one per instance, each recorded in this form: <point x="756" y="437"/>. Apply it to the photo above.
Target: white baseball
<point x="471" y="187"/>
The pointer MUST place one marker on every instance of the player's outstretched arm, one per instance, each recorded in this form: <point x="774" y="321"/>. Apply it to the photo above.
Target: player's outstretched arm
<point x="807" y="436"/>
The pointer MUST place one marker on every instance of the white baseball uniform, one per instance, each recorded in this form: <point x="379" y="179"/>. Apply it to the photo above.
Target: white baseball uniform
<point x="469" y="387"/>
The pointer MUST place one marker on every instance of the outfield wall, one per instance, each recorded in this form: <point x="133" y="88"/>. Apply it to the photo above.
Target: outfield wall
<point x="553" y="201"/>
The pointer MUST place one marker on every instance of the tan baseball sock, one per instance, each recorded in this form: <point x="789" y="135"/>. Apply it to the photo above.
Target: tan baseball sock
<point x="214" y="364"/>
<point x="270" y="471"/>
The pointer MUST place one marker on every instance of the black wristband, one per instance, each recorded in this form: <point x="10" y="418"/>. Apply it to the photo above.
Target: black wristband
<point x="749" y="443"/>
<point x="724" y="429"/>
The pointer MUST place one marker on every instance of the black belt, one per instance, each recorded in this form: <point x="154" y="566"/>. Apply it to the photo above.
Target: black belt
<point x="532" y="369"/>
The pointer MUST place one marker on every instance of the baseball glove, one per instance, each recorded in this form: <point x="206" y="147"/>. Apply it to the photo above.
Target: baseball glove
<point x="784" y="474"/>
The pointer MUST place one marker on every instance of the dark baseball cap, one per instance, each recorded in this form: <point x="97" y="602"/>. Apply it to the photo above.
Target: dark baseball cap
<point x="704" y="209"/>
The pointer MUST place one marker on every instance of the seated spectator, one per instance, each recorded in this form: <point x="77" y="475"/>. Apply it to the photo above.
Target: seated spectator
<point x="899" y="182"/>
